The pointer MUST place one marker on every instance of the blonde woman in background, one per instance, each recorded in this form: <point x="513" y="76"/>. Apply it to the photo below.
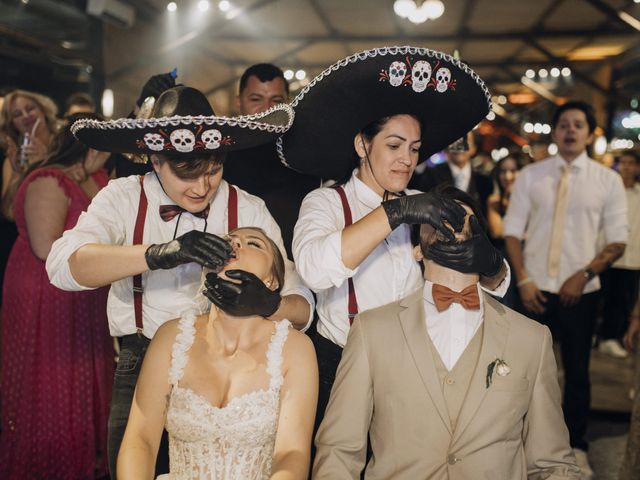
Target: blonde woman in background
<point x="23" y="114"/>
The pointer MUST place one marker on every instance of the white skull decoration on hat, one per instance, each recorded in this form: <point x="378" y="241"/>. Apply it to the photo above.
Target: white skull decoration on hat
<point x="397" y="71"/>
<point x="443" y="77"/>
<point x="183" y="140"/>
<point x="154" y="141"/>
<point x="211" y="138"/>
<point x="420" y="75"/>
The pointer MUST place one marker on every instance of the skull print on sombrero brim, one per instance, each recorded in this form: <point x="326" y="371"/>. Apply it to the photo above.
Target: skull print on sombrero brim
<point x="443" y="92"/>
<point x="182" y="121"/>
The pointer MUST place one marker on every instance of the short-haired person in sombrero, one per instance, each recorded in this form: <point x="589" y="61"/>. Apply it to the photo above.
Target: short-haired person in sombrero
<point x="367" y="120"/>
<point x="149" y="237"/>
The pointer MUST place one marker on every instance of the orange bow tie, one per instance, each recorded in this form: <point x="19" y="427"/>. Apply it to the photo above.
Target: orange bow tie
<point x="443" y="297"/>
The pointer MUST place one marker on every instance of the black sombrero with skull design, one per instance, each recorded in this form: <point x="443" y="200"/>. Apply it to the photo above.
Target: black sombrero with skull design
<point x="182" y="121"/>
<point x="448" y="97"/>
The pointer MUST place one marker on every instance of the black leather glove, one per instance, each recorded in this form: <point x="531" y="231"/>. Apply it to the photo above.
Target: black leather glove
<point x="249" y="297"/>
<point x="476" y="255"/>
<point x="426" y="208"/>
<point x="204" y="248"/>
<point x="155" y="86"/>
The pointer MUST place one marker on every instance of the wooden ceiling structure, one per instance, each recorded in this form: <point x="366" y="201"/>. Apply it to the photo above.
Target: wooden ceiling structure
<point x="599" y="40"/>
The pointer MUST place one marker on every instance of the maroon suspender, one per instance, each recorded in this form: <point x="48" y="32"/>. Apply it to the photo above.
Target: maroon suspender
<point x="137" y="240"/>
<point x="353" y="303"/>
<point x="138" y="231"/>
<point x="232" y="209"/>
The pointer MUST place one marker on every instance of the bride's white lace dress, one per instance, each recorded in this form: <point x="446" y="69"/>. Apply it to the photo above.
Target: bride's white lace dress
<point x="234" y="442"/>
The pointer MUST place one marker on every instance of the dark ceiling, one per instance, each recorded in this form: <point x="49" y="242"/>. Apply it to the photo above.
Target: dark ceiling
<point x="55" y="45"/>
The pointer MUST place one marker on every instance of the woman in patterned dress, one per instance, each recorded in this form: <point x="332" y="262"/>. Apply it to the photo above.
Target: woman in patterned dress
<point x="57" y="355"/>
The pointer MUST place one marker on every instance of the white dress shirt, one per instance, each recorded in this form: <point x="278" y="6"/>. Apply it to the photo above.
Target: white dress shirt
<point x="631" y="258"/>
<point x="461" y="176"/>
<point x="388" y="274"/>
<point x="596" y="200"/>
<point x="452" y="329"/>
<point x="110" y="220"/>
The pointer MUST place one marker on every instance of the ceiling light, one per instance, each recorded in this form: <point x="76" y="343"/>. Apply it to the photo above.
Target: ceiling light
<point x="502" y="99"/>
<point x="528" y="127"/>
<point x="555" y="72"/>
<point x="542" y="73"/>
<point x="634" y="22"/>
<point x="546" y="129"/>
<point x="433" y="8"/>
<point x="203" y="5"/>
<point x="566" y="72"/>
<point x="172" y="6"/>
<point x="530" y="73"/>
<point x="300" y="74"/>
<point x="224" y="6"/>
<point x="600" y="145"/>
<point x="419" y="15"/>
<point x="552" y="149"/>
<point x="632" y="121"/>
<point x="491" y="116"/>
<point x="288" y="74"/>
<point x="404" y="8"/>
<point x="107" y="102"/>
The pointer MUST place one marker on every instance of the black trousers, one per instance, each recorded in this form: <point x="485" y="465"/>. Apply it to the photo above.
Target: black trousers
<point x="620" y="292"/>
<point x="573" y="327"/>
<point x="132" y="351"/>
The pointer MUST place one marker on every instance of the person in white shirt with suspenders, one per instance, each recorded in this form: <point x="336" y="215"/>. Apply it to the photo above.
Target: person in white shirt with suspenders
<point x="150" y="236"/>
<point x="352" y="243"/>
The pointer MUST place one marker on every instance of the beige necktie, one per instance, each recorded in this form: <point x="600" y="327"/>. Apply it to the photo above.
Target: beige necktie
<point x="557" y="230"/>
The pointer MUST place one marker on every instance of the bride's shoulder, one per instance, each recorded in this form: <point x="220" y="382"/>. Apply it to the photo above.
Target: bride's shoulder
<point x="168" y="331"/>
<point x="298" y="348"/>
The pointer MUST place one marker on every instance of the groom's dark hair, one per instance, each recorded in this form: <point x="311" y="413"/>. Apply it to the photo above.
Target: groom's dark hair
<point x="452" y="193"/>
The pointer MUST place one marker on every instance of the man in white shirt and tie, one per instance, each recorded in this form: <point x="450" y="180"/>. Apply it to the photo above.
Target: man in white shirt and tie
<point x="447" y="382"/>
<point x="558" y="206"/>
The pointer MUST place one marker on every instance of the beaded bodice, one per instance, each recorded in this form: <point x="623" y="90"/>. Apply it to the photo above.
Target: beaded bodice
<point x="231" y="442"/>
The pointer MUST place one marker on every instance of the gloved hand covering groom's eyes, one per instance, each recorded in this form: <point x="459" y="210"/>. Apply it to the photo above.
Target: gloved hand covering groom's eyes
<point x="471" y="251"/>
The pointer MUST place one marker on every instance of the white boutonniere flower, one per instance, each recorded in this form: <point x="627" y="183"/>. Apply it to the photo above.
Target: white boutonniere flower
<point x="498" y="366"/>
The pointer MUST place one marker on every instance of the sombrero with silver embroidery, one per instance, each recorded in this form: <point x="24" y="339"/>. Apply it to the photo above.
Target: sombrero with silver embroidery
<point x="448" y="97"/>
<point x="183" y="122"/>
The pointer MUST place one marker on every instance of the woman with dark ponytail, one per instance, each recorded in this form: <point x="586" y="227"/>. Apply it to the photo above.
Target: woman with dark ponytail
<point x="57" y="356"/>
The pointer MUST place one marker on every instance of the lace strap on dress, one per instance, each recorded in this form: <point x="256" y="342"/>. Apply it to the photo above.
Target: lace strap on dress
<point x="184" y="340"/>
<point x="274" y="353"/>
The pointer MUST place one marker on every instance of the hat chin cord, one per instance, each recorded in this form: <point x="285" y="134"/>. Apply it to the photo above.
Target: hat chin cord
<point x="385" y="195"/>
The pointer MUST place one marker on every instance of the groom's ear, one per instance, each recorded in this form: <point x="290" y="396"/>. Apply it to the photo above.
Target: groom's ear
<point x="417" y="253"/>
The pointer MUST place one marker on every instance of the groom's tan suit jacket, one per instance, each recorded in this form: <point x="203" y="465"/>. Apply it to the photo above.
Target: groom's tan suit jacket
<point x="389" y="385"/>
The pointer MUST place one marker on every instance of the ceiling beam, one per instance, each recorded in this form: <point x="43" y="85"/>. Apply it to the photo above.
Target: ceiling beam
<point x="463" y="31"/>
<point x="470" y="36"/>
<point x="575" y="72"/>
<point x="611" y="13"/>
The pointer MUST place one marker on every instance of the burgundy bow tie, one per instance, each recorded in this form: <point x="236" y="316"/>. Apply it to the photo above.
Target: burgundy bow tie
<point x="168" y="212"/>
<point x="443" y="297"/>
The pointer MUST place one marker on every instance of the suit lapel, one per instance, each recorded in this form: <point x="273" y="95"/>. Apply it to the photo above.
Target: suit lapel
<point x="415" y="332"/>
<point x="496" y="331"/>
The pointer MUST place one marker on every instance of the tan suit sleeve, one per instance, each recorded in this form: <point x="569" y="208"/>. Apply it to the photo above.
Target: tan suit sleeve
<point x="341" y="441"/>
<point x="546" y="439"/>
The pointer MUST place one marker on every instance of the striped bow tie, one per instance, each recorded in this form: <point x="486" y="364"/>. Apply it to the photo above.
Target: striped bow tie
<point x="168" y="212"/>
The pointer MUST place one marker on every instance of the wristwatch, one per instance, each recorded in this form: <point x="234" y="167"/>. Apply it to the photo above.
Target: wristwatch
<point x="588" y="273"/>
